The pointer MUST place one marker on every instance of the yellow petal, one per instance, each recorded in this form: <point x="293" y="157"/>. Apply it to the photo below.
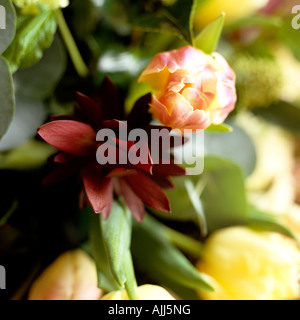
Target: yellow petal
<point x="234" y="9"/>
<point x="72" y="276"/>
<point x="251" y="265"/>
<point x="144" y="292"/>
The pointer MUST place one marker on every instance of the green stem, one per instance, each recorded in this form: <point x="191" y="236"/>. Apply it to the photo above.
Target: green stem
<point x="4" y="219"/>
<point x="186" y="243"/>
<point x="21" y="291"/>
<point x="67" y="36"/>
<point x="201" y="184"/>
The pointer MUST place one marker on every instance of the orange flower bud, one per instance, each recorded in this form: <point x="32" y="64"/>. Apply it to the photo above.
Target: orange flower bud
<point x="193" y="89"/>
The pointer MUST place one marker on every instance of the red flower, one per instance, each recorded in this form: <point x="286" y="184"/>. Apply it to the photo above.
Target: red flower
<point x="75" y="138"/>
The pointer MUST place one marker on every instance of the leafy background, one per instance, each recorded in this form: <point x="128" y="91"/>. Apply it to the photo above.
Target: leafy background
<point x="118" y="38"/>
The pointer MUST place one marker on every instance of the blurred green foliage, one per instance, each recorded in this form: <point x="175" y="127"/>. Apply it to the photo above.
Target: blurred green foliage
<point x="118" y="38"/>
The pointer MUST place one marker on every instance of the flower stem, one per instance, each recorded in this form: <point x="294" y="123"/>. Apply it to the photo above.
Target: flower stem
<point x="186" y="243"/>
<point x="67" y="36"/>
<point x="4" y="219"/>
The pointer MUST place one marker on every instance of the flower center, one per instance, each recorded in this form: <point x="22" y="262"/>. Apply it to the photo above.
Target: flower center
<point x="199" y="100"/>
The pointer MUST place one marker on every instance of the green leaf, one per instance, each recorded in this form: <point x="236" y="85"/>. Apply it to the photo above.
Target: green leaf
<point x="84" y="18"/>
<point x="255" y="21"/>
<point x="34" y="34"/>
<point x="290" y="37"/>
<point x="236" y="146"/>
<point x="153" y="22"/>
<point x="27" y="156"/>
<point x="130" y="283"/>
<point x="159" y="24"/>
<point x="191" y="18"/>
<point x="183" y="241"/>
<point x="136" y="90"/>
<point x="116" y="231"/>
<point x="197" y="204"/>
<point x="8" y="214"/>
<point x="224" y="196"/>
<point x="155" y="255"/>
<point x="7" y="100"/>
<point x="175" y="20"/>
<point x="116" y="13"/>
<point x="183" y="12"/>
<point x="219" y="128"/>
<point x="208" y="39"/>
<point x="282" y="113"/>
<point x="182" y="206"/>
<point x="180" y="291"/>
<point x="7" y="34"/>
<point x="29" y="115"/>
<point x="106" y="280"/>
<point x="261" y="220"/>
<point x="44" y="75"/>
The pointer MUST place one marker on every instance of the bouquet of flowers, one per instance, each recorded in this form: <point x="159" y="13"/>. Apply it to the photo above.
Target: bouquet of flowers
<point x="149" y="150"/>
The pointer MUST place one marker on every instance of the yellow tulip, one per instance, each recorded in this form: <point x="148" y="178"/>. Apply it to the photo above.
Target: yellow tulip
<point x="243" y="264"/>
<point x="234" y="10"/>
<point x="144" y="292"/>
<point x="271" y="186"/>
<point x="291" y="219"/>
<point x="72" y="276"/>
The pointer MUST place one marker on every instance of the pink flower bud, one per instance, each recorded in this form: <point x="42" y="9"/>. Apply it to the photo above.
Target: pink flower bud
<point x="193" y="89"/>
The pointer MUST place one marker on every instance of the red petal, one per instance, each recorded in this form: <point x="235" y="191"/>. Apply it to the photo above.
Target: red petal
<point x="62" y="117"/>
<point x="122" y="144"/>
<point x="140" y="116"/>
<point x="63" y="157"/>
<point x="163" y="182"/>
<point x="120" y="172"/>
<point x="149" y="192"/>
<point x="98" y="188"/>
<point x="143" y="166"/>
<point x="133" y="202"/>
<point x="83" y="199"/>
<point x="106" y="210"/>
<point x="126" y="147"/>
<point x="109" y="100"/>
<point x="116" y="124"/>
<point x="90" y="110"/>
<point x="62" y="172"/>
<point x="166" y="170"/>
<point x="70" y="136"/>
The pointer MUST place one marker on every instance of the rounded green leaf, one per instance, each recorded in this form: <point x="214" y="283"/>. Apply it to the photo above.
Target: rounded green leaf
<point x="236" y="146"/>
<point x="224" y="197"/>
<point x="30" y="114"/>
<point x="44" y="75"/>
<point x="7" y="24"/>
<point x="7" y="100"/>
